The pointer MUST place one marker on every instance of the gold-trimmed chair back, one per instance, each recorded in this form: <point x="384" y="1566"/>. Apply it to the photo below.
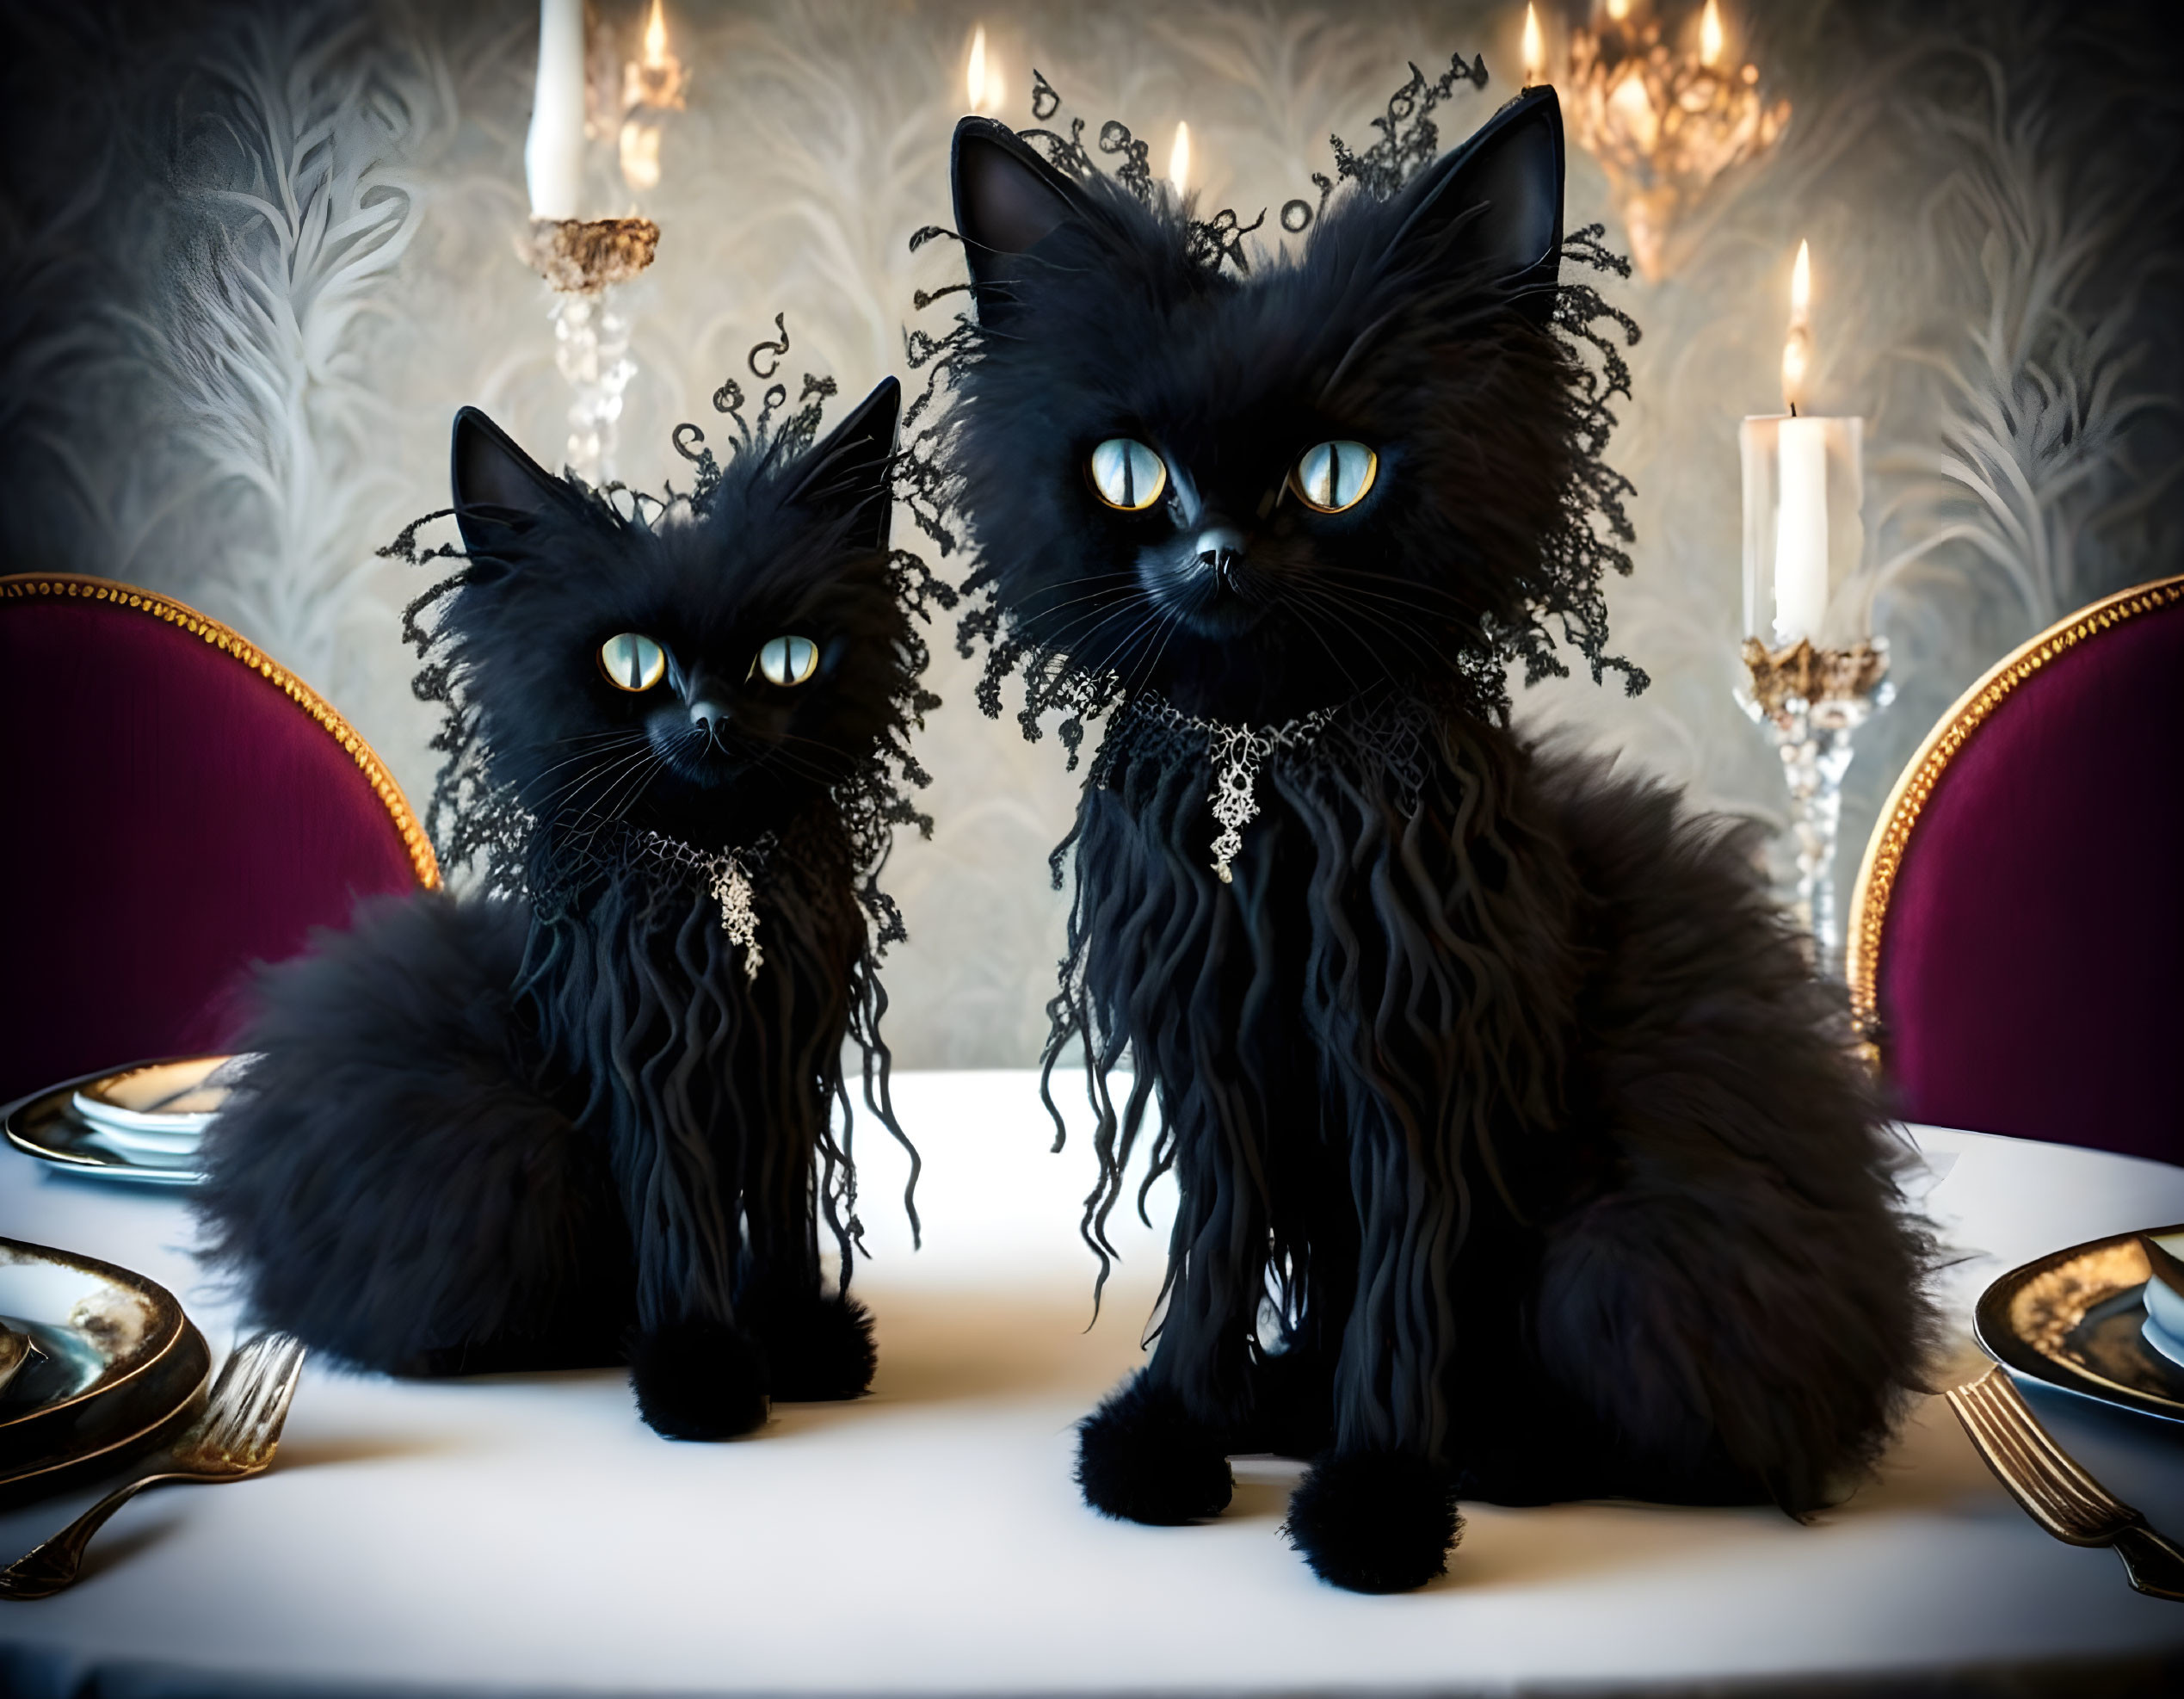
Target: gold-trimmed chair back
<point x="2016" y="948"/>
<point x="183" y="808"/>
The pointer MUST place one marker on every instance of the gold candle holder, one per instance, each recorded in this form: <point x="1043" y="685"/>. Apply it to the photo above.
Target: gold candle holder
<point x="583" y="256"/>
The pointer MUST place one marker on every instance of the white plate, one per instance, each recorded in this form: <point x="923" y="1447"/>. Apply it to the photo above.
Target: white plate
<point x="54" y="1127"/>
<point x="2165" y="1305"/>
<point x="161" y="1107"/>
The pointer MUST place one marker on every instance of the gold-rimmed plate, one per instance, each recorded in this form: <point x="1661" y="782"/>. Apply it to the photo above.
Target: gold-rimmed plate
<point x="115" y="1367"/>
<point x="2074" y="1319"/>
<point x="92" y="1126"/>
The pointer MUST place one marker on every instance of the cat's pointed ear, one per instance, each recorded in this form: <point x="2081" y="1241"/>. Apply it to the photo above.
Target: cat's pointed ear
<point x="846" y="474"/>
<point x="498" y="487"/>
<point x="1007" y="200"/>
<point x="1494" y="206"/>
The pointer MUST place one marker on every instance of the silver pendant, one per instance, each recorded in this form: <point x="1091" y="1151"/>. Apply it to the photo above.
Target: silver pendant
<point x="1236" y="753"/>
<point x="738" y="914"/>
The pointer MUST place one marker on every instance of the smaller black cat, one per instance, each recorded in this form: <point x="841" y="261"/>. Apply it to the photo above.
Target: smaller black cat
<point x="591" y="1121"/>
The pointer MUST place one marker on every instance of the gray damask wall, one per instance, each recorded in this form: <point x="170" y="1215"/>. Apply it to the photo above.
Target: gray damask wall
<point x="255" y="256"/>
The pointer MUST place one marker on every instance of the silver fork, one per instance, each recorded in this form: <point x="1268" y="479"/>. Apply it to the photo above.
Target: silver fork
<point x="233" y="1440"/>
<point x="2057" y="1493"/>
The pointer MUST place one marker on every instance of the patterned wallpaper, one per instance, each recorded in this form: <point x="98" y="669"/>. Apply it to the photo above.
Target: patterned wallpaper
<point x="254" y="257"/>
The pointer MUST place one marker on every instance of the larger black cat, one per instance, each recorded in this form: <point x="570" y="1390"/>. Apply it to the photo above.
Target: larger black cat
<point x="1519" y="1154"/>
<point x="593" y="1119"/>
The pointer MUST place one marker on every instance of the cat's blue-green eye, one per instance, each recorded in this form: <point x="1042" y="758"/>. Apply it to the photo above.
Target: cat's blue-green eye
<point x="1126" y="474"/>
<point x="786" y="660"/>
<point x="631" y="661"/>
<point x="1330" y="477"/>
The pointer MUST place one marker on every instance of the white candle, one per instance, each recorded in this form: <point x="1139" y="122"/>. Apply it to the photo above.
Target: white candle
<point x="553" y="154"/>
<point x="1801" y="491"/>
<point x="1801" y="532"/>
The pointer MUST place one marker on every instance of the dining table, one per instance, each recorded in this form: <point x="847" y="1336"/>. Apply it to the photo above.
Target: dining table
<point x="527" y="1534"/>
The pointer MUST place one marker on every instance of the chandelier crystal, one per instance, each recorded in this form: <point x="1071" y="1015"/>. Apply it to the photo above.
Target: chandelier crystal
<point x="1664" y="121"/>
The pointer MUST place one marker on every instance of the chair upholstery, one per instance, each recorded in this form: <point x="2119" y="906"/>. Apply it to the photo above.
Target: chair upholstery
<point x="178" y="807"/>
<point x="2017" y="948"/>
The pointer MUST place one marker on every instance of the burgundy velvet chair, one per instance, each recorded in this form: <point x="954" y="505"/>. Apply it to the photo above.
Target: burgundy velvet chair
<point x="177" y="807"/>
<point x="2017" y="937"/>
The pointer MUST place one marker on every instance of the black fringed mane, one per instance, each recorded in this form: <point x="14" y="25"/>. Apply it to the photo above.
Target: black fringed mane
<point x="1392" y="833"/>
<point x="630" y="977"/>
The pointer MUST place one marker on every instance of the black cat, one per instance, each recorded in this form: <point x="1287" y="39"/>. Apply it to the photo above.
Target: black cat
<point x="591" y="1121"/>
<point x="1519" y="1155"/>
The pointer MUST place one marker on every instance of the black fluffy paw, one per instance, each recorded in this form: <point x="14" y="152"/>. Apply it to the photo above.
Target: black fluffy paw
<point x="820" y="1350"/>
<point x="1141" y="1458"/>
<point x="698" y="1380"/>
<point x="1375" y="1522"/>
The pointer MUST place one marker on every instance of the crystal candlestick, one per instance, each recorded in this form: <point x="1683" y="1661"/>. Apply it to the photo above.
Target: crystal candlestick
<point x="1812" y="702"/>
<point x="591" y="347"/>
<point x="583" y="260"/>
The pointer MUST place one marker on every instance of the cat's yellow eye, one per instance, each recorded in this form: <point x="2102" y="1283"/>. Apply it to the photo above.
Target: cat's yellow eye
<point x="1330" y="477"/>
<point x="786" y="660"/>
<point x="1127" y="474"/>
<point x="631" y="661"/>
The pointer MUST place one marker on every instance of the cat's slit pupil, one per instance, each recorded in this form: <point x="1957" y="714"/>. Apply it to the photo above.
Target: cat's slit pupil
<point x="787" y="660"/>
<point x="1126" y="474"/>
<point x="631" y="661"/>
<point x="1334" y="476"/>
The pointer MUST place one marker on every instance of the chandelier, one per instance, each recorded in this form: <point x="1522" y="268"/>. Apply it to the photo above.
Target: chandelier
<point x="1664" y="121"/>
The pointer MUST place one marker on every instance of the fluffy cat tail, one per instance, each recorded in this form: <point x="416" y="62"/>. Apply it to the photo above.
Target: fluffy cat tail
<point x="392" y="1185"/>
<point x="1755" y="1282"/>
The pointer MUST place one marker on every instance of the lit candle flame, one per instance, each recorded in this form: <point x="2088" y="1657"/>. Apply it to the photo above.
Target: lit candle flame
<point x="976" y="80"/>
<point x="1535" y="51"/>
<point x="655" y="78"/>
<point x="1797" y="350"/>
<point x="1179" y="159"/>
<point x="1710" y="38"/>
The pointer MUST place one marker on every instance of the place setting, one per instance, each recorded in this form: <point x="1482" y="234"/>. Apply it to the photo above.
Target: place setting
<point x="101" y="1366"/>
<point x="140" y="1125"/>
<point x="98" y="1365"/>
<point x="2104" y="1321"/>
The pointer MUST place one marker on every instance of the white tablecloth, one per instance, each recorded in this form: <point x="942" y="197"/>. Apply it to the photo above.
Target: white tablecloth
<point x="528" y="1534"/>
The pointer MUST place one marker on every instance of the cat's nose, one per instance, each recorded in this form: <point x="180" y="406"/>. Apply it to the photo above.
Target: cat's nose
<point x="708" y="716"/>
<point x="1219" y="548"/>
